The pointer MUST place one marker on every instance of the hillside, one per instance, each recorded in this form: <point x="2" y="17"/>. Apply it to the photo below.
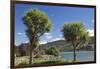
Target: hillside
<point x="61" y="44"/>
<point x="66" y="46"/>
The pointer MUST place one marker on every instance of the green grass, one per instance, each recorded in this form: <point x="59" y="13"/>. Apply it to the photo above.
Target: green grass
<point x="47" y="62"/>
<point x="21" y="60"/>
<point x="39" y="61"/>
<point x="25" y="60"/>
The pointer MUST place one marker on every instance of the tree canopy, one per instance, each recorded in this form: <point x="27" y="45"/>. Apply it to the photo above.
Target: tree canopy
<point x="37" y="23"/>
<point x="77" y="34"/>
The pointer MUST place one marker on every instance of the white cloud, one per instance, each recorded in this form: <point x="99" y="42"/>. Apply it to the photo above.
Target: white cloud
<point x="91" y="32"/>
<point x="47" y="33"/>
<point x="48" y="36"/>
<point x="22" y="34"/>
<point x="43" y="42"/>
<point x="17" y="43"/>
<point x="60" y="35"/>
<point x="51" y="40"/>
<point x="19" y="33"/>
<point x="27" y="41"/>
<point x="55" y="39"/>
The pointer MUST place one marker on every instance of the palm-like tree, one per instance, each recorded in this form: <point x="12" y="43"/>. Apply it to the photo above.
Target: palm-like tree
<point x="75" y="33"/>
<point x="37" y="23"/>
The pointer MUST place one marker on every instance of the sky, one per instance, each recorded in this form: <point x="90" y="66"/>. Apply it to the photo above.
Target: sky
<point x="58" y="15"/>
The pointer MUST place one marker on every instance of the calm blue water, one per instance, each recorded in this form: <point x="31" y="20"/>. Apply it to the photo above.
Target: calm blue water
<point x="81" y="55"/>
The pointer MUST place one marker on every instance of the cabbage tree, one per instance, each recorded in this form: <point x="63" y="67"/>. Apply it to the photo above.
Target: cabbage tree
<point x="37" y="23"/>
<point x="76" y="34"/>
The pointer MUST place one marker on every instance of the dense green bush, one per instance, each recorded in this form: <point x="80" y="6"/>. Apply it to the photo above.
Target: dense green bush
<point x="37" y="56"/>
<point x="23" y="63"/>
<point x="52" y="51"/>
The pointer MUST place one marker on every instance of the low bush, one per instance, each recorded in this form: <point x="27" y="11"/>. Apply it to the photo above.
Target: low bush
<point x="52" y="51"/>
<point x="37" y="56"/>
<point x="23" y="63"/>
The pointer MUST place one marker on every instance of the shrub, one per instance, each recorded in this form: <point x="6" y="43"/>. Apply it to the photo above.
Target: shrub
<point x="37" y="56"/>
<point x="23" y="63"/>
<point x="52" y="51"/>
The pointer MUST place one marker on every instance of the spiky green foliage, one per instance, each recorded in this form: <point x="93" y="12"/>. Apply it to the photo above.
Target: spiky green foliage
<point x="77" y="34"/>
<point x="37" y="23"/>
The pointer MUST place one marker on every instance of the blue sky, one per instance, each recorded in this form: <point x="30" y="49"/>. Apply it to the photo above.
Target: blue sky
<point x="58" y="16"/>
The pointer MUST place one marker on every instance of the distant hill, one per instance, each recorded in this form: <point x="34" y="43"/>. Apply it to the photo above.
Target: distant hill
<point x="66" y="46"/>
<point x="61" y="44"/>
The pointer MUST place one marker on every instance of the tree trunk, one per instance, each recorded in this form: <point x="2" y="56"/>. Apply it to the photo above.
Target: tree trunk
<point x="74" y="53"/>
<point x="30" y="60"/>
<point x="32" y="50"/>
